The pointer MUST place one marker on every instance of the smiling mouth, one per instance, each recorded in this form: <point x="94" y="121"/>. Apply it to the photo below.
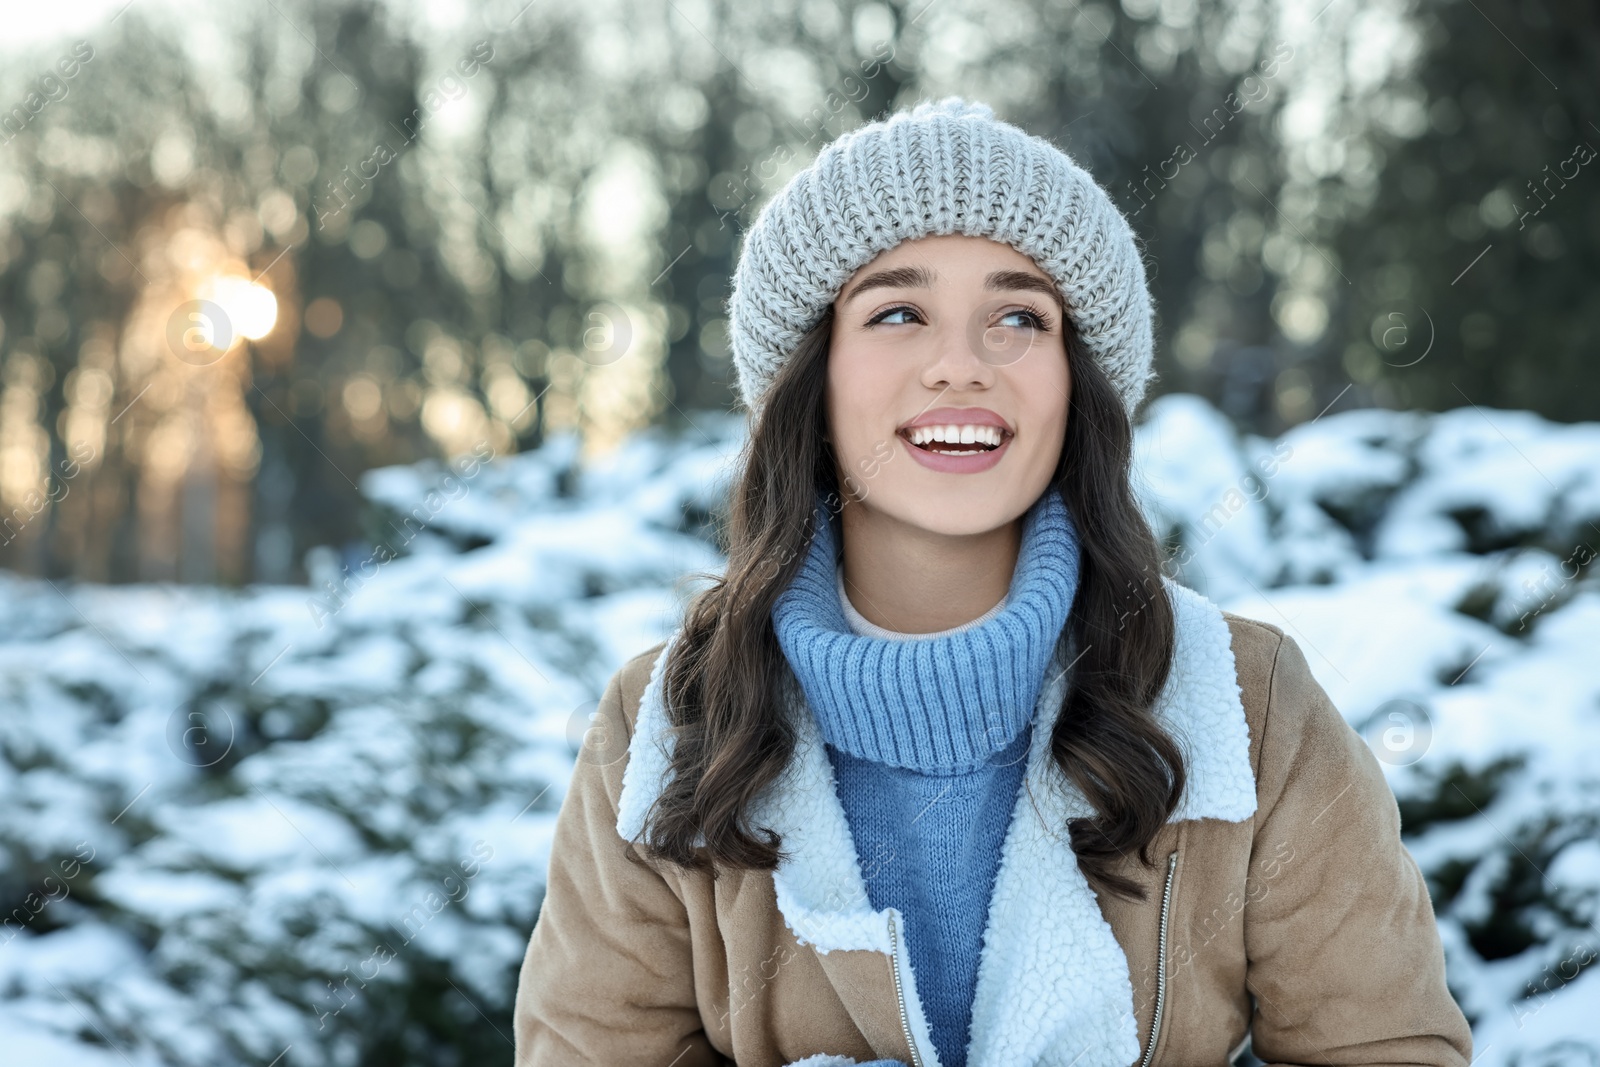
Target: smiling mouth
<point x="923" y="439"/>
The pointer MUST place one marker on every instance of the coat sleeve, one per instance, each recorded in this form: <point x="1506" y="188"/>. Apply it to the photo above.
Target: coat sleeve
<point x="1344" y="957"/>
<point x="608" y="977"/>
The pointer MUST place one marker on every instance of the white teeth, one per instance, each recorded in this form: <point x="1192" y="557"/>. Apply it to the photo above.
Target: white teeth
<point x="952" y="434"/>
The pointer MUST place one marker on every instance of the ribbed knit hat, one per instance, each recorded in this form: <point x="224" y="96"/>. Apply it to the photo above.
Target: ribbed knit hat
<point x="939" y="168"/>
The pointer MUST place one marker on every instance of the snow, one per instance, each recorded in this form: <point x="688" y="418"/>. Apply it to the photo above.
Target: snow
<point x="297" y="812"/>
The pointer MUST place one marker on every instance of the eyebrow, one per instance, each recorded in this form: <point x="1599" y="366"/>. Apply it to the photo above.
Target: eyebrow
<point x="1000" y="281"/>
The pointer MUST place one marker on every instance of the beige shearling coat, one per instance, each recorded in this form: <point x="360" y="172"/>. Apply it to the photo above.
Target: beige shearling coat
<point x="1283" y="910"/>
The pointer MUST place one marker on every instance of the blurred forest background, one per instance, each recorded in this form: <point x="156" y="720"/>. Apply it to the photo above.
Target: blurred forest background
<point x="248" y="252"/>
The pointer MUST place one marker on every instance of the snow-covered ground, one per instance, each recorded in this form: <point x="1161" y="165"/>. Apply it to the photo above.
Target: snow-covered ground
<point x="310" y="826"/>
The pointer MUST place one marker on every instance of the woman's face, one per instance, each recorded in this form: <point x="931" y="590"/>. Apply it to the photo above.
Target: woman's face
<point x="939" y="332"/>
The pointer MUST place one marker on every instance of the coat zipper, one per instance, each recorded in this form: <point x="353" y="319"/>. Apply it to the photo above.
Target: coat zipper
<point x="899" y="992"/>
<point x="1161" y="963"/>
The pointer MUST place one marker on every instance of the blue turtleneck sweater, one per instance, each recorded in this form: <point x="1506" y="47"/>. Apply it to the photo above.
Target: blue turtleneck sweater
<point x="928" y="735"/>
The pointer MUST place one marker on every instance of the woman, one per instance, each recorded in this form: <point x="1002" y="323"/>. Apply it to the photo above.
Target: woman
<point x="942" y="771"/>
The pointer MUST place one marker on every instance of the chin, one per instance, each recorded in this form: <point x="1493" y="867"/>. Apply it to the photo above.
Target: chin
<point x="956" y="510"/>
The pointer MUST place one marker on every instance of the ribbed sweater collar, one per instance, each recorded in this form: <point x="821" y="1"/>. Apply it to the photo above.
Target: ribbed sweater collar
<point x="941" y="705"/>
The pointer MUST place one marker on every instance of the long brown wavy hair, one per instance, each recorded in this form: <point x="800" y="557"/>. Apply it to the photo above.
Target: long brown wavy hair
<point x="722" y="673"/>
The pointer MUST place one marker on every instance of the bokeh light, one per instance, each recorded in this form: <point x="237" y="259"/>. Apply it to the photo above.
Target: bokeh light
<point x="251" y="307"/>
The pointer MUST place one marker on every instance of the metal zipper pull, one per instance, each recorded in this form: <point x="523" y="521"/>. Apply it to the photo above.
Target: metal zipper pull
<point x="1161" y="964"/>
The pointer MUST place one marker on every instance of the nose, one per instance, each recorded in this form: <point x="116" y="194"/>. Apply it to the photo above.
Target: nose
<point x="961" y="354"/>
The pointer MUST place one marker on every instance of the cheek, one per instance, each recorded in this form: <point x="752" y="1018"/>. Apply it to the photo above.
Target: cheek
<point x="1043" y="386"/>
<point x="860" y="396"/>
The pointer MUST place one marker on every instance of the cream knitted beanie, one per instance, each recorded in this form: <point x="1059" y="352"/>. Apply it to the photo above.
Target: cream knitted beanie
<point x="940" y="168"/>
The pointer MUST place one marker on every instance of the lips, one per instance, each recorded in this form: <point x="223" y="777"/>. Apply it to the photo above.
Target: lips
<point x="958" y="417"/>
<point x="957" y="440"/>
<point x="957" y="431"/>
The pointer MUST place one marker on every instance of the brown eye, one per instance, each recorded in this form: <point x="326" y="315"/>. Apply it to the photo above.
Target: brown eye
<point x="884" y="315"/>
<point x="1033" y="319"/>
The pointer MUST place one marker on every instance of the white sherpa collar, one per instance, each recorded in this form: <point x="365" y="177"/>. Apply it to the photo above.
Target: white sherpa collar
<point x="1053" y="983"/>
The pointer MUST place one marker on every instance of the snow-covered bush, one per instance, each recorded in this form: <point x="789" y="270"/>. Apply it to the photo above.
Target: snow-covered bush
<point x="1435" y="570"/>
<point x="310" y="825"/>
